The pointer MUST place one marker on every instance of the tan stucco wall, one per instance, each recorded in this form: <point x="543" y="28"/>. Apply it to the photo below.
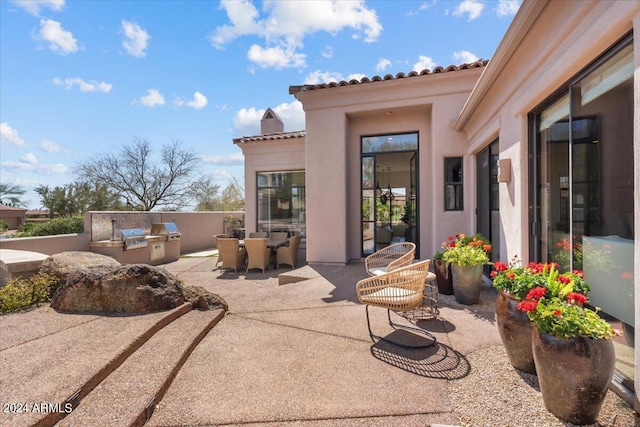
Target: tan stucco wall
<point x="197" y="230"/>
<point x="267" y="156"/>
<point x="564" y="38"/>
<point x="336" y="118"/>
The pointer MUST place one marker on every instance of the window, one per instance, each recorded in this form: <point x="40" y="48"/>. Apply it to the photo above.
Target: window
<point x="281" y="202"/>
<point x="453" y="184"/>
<point x="582" y="164"/>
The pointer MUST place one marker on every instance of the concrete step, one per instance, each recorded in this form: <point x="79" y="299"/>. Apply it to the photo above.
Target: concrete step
<point x="59" y="358"/>
<point x="129" y="395"/>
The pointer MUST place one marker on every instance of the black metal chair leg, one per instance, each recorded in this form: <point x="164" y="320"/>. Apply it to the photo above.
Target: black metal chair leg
<point x="375" y="337"/>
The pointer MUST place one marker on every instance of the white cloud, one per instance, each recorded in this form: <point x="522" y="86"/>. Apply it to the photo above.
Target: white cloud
<point x="10" y="135"/>
<point x="327" y="52"/>
<point x="84" y="86"/>
<point x="136" y="39"/>
<point x="199" y="101"/>
<point x="60" y="40"/>
<point x="49" y="146"/>
<point x="464" y="57"/>
<point x="275" y="57"/>
<point x="508" y="7"/>
<point x="34" y="6"/>
<point x="247" y="120"/>
<point x="285" y="24"/>
<point x="471" y="8"/>
<point x="319" y="77"/>
<point x="355" y="76"/>
<point x="44" y="169"/>
<point x="29" y="158"/>
<point x="424" y="63"/>
<point x="152" y="99"/>
<point x="224" y="159"/>
<point x="382" y="64"/>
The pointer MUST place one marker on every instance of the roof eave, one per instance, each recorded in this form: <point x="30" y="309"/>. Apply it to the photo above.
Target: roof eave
<point x="526" y="16"/>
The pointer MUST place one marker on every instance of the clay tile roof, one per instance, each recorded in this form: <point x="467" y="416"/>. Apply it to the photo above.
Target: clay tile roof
<point x="270" y="137"/>
<point x="11" y="208"/>
<point x="438" y="70"/>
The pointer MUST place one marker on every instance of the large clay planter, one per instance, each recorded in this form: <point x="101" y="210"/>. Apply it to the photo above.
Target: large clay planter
<point x="574" y="375"/>
<point x="515" y="331"/>
<point x="467" y="281"/>
<point x="443" y="276"/>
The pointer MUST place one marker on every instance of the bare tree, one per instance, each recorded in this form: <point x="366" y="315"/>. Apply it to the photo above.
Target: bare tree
<point x="144" y="182"/>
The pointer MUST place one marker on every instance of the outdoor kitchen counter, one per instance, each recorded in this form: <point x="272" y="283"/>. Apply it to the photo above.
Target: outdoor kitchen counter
<point x="139" y="255"/>
<point x="120" y="243"/>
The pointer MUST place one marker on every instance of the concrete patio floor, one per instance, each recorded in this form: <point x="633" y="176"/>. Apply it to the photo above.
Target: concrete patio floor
<point x="300" y="353"/>
<point x="293" y="354"/>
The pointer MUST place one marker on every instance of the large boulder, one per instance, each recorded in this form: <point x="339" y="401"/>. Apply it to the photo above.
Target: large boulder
<point x="61" y="265"/>
<point x="202" y="299"/>
<point x="132" y="288"/>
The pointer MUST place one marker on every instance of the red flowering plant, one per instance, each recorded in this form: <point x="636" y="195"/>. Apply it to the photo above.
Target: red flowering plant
<point x="556" y="308"/>
<point x="518" y="280"/>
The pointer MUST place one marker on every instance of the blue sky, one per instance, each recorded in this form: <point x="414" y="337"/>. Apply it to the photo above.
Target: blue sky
<point x="81" y="77"/>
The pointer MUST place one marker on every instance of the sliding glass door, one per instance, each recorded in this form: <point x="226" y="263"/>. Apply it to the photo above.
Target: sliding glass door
<point x="583" y="216"/>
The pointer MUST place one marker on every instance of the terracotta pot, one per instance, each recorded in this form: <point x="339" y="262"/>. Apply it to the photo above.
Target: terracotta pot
<point x="574" y="375"/>
<point x="443" y="276"/>
<point x="515" y="331"/>
<point x="467" y="280"/>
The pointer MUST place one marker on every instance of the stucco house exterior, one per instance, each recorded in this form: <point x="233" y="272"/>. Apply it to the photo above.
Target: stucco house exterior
<point x="13" y="216"/>
<point x="538" y="149"/>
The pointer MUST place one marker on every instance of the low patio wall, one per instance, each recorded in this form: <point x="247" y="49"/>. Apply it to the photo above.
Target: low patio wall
<point x="48" y="244"/>
<point x="197" y="230"/>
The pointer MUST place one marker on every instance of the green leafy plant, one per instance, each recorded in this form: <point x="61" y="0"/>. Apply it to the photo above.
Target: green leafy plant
<point x="518" y="280"/>
<point x="468" y="251"/>
<point x="56" y="226"/>
<point x="557" y="309"/>
<point x="466" y="256"/>
<point x="20" y="294"/>
<point x="4" y="226"/>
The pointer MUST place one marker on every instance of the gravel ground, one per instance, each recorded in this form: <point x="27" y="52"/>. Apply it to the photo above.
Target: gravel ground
<point x="496" y="394"/>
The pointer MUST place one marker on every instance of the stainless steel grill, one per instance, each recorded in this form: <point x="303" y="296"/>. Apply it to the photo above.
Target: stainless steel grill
<point x="167" y="229"/>
<point x="133" y="238"/>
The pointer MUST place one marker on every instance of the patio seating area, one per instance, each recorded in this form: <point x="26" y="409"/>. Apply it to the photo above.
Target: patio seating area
<point x="292" y="354"/>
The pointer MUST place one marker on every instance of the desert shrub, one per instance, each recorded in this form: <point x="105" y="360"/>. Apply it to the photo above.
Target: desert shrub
<point x="4" y="226"/>
<point x="69" y="225"/>
<point x="19" y="294"/>
<point x="26" y="228"/>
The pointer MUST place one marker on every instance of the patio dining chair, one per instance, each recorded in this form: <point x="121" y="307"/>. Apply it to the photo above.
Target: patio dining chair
<point x="400" y="290"/>
<point x="215" y="242"/>
<point x="289" y="254"/>
<point x="279" y="235"/>
<point x="257" y="234"/>
<point x="389" y="258"/>
<point x="230" y="253"/>
<point x="258" y="254"/>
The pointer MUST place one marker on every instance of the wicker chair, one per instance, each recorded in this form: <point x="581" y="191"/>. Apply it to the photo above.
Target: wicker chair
<point x="289" y="254"/>
<point x="257" y="234"/>
<point x="279" y="235"/>
<point x="399" y="290"/>
<point x="389" y="258"/>
<point x="258" y="253"/>
<point x="215" y="242"/>
<point x="230" y="253"/>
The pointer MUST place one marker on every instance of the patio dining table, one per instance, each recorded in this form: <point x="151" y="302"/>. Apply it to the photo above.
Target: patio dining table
<point x="274" y="244"/>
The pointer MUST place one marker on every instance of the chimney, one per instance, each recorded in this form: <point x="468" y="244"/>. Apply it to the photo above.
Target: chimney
<point x="271" y="123"/>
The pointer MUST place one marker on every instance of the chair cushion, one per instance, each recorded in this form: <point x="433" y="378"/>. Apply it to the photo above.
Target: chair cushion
<point x="393" y="295"/>
<point x="377" y="271"/>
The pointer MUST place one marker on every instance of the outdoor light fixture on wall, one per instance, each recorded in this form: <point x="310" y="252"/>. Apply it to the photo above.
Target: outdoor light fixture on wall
<point x="504" y="170"/>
